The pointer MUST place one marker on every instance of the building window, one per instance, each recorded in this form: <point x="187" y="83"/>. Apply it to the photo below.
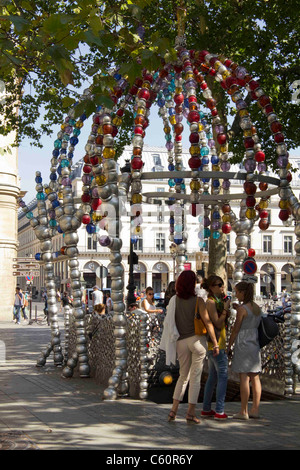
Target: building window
<point x="288" y="244"/>
<point x="138" y="246"/>
<point x="267" y="244"/>
<point x="156" y="159"/>
<point x="160" y="242"/>
<point x="91" y="243"/>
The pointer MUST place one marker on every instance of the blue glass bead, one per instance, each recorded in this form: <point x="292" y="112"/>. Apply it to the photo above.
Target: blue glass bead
<point x="38" y="256"/>
<point x="64" y="163"/>
<point x="70" y="155"/>
<point x="63" y="151"/>
<point x="58" y="169"/>
<point x="83" y="117"/>
<point x="57" y="144"/>
<point x="55" y="153"/>
<point x="178" y="180"/>
<point x="117" y="76"/>
<point x="216" y="215"/>
<point x="186" y="102"/>
<point x="171" y="167"/>
<point x="172" y="111"/>
<point x="59" y="229"/>
<point x="178" y="241"/>
<point x="205" y="160"/>
<point x="214" y="159"/>
<point x="52" y="223"/>
<point x="134" y="239"/>
<point x="76" y="131"/>
<point x="38" y="179"/>
<point x="74" y="140"/>
<point x="161" y="102"/>
<point x="55" y="203"/>
<point x="206" y="233"/>
<point x="66" y="137"/>
<point x="216" y="183"/>
<point x="53" y="176"/>
<point x="171" y="183"/>
<point x="182" y="185"/>
<point x="204" y="151"/>
<point x="40" y="196"/>
<point x="72" y="122"/>
<point x="202" y="115"/>
<point x="90" y="228"/>
<point x="29" y="215"/>
<point x="201" y="244"/>
<point x="168" y="137"/>
<point x="216" y="235"/>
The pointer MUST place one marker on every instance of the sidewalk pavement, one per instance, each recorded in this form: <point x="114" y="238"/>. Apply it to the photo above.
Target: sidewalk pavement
<point x="41" y="410"/>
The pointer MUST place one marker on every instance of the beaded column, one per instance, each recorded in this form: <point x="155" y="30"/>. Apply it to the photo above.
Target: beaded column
<point x="42" y="232"/>
<point x="69" y="221"/>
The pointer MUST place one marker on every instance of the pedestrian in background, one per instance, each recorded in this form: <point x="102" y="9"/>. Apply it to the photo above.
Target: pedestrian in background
<point x="179" y="337"/>
<point x="169" y="293"/>
<point x="246" y="353"/>
<point x="17" y="306"/>
<point x="218" y="312"/>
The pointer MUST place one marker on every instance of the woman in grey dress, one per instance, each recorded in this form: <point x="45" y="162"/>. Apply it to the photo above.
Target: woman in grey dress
<point x="246" y="355"/>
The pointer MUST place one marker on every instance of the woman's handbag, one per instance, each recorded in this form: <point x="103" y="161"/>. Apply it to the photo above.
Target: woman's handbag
<point x="200" y="328"/>
<point x="268" y="329"/>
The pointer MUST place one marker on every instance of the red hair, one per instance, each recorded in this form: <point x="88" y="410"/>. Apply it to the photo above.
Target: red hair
<point x="185" y="284"/>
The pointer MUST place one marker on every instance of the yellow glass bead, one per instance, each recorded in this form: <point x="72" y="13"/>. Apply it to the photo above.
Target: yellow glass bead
<point x="283" y="204"/>
<point x="189" y="75"/>
<point x="247" y="133"/>
<point x="172" y="120"/>
<point x="200" y="127"/>
<point x="79" y="124"/>
<point x="100" y="180"/>
<point x="226" y="74"/>
<point x="217" y="64"/>
<point x="224" y="148"/>
<point x="178" y="90"/>
<point x="288" y="167"/>
<point x="141" y="111"/>
<point x="167" y="129"/>
<point x="63" y="126"/>
<point x="226" y="218"/>
<point x="194" y="150"/>
<point x="100" y="130"/>
<point x="136" y="198"/>
<point x="250" y="213"/>
<point x="108" y="152"/>
<point x="60" y="195"/>
<point x="195" y="185"/>
<point x="117" y="121"/>
<point x="215" y="168"/>
<point x="243" y="112"/>
<point x="263" y="204"/>
<point x="48" y="190"/>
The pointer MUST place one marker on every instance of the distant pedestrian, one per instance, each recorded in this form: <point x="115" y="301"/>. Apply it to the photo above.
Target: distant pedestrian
<point x="246" y="354"/>
<point x="66" y="301"/>
<point x="169" y="293"/>
<point x="18" y="305"/>
<point x="97" y="297"/>
<point x="108" y="303"/>
<point x="24" y="304"/>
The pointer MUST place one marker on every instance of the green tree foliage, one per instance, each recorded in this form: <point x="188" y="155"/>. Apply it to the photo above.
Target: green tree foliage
<point x="55" y="47"/>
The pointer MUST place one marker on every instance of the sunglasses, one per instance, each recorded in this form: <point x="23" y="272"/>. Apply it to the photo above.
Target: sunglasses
<point x="218" y="285"/>
<point x="150" y="294"/>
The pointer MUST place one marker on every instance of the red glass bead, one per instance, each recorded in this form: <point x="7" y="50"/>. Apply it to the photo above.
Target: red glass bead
<point x="248" y="142"/>
<point x="226" y="208"/>
<point x="94" y="160"/>
<point x="136" y="163"/>
<point x="86" y="159"/>
<point x="250" y="188"/>
<point x="214" y="112"/>
<point x="250" y="201"/>
<point x="99" y="140"/>
<point x="193" y="116"/>
<point x="192" y="99"/>
<point x="96" y="203"/>
<point x="179" y="98"/>
<point x="211" y="103"/>
<point x="120" y="112"/>
<point x="96" y="119"/>
<point x="263" y="214"/>
<point x="203" y="86"/>
<point x="253" y="85"/>
<point x="275" y="127"/>
<point x="87" y="169"/>
<point x="226" y="228"/>
<point x="148" y="77"/>
<point x="138" y="82"/>
<point x="107" y="128"/>
<point x="284" y="214"/>
<point x="194" y="137"/>
<point x="221" y="139"/>
<point x="86" y="197"/>
<point x="260" y="157"/>
<point x="138" y="130"/>
<point x="178" y="128"/>
<point x="289" y="177"/>
<point x="178" y="138"/>
<point x="279" y="138"/>
<point x="86" y="219"/>
<point x="251" y="252"/>
<point x="144" y="93"/>
<point x="263" y="186"/>
<point x="269" y="109"/>
<point x="263" y="224"/>
<point x="114" y="131"/>
<point x="264" y="100"/>
<point x="133" y="90"/>
<point x="194" y="162"/>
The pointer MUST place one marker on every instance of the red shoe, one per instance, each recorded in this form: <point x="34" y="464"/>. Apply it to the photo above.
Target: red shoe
<point x="220" y="416"/>
<point x="208" y="414"/>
